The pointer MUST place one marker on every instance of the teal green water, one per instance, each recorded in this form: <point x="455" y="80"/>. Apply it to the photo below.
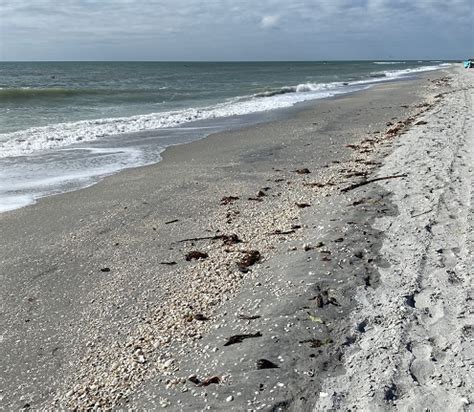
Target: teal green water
<point x="41" y="94"/>
<point x="64" y="126"/>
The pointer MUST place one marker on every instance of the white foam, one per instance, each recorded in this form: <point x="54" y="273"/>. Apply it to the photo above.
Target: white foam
<point x="400" y="73"/>
<point x="13" y="202"/>
<point x="59" y="135"/>
<point x="23" y="183"/>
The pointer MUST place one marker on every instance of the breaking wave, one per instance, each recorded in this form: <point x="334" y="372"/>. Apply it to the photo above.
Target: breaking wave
<point x="56" y="136"/>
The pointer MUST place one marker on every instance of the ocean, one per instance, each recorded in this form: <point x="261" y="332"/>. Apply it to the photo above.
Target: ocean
<point x="66" y="125"/>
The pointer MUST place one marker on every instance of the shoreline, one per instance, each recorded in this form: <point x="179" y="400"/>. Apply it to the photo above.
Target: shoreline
<point x="94" y="260"/>
<point x="16" y="201"/>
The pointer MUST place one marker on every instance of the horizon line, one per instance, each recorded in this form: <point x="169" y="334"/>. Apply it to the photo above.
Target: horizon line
<point x="232" y="61"/>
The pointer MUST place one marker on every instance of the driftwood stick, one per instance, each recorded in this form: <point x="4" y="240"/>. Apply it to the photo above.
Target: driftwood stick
<point x="423" y="213"/>
<point x="193" y="239"/>
<point x="282" y="232"/>
<point x="366" y="182"/>
<point x="230" y="239"/>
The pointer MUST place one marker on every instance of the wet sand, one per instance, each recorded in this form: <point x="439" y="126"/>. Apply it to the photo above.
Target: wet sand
<point x="101" y="308"/>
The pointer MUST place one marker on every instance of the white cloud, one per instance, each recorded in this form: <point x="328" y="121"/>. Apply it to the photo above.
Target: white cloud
<point x="232" y="29"/>
<point x="270" y="21"/>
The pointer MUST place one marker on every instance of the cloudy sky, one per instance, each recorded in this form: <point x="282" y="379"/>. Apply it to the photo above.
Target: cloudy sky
<point x="235" y="29"/>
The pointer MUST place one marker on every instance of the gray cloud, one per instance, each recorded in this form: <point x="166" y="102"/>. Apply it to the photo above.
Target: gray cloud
<point x="235" y="29"/>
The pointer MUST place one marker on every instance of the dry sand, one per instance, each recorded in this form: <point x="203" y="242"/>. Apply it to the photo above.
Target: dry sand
<point x="416" y="352"/>
<point x="94" y="313"/>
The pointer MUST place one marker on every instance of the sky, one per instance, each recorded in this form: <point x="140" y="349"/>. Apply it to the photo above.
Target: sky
<point x="221" y="30"/>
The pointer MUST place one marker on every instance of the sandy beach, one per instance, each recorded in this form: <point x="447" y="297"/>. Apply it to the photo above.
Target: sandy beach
<point x="317" y="262"/>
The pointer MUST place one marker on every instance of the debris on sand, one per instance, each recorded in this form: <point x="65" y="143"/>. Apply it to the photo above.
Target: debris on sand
<point x="353" y="146"/>
<point x="319" y="184"/>
<point x="106" y="269"/>
<point x="226" y="200"/>
<point x="359" y="202"/>
<point x="168" y="263"/>
<point x="260" y="194"/>
<point x="319" y="300"/>
<point x="266" y="364"/>
<point x="282" y="232"/>
<point x="248" y="317"/>
<point x="231" y="239"/>
<point x="240" y="338"/>
<point x="205" y="382"/>
<point x="304" y="171"/>
<point x="316" y="343"/>
<point x="194" y="379"/>
<point x="394" y="130"/>
<point x="196" y="255"/>
<point x="366" y="182"/>
<point x="302" y="205"/>
<point x="249" y="259"/>
<point x="315" y="319"/>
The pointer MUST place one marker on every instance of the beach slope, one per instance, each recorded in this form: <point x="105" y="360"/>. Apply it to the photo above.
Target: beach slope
<point x="317" y="261"/>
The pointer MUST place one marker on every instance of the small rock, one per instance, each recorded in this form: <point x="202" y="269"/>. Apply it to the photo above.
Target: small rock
<point x="266" y="364"/>
<point x="303" y="171"/>
<point x="250" y="258"/>
<point x="229" y="398"/>
<point x="196" y="255"/>
<point x="228" y="200"/>
<point x="168" y="363"/>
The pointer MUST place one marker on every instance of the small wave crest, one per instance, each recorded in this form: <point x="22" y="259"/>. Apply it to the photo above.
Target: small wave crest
<point x="25" y="142"/>
<point x="405" y="72"/>
<point x="275" y="92"/>
<point x="382" y="63"/>
<point x="300" y="88"/>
